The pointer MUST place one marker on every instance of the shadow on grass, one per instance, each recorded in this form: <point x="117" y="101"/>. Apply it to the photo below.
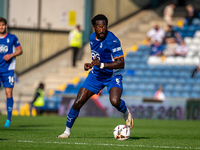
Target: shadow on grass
<point x="3" y="139"/>
<point x="32" y="126"/>
<point x="25" y="127"/>
<point x="131" y="138"/>
<point x="138" y="138"/>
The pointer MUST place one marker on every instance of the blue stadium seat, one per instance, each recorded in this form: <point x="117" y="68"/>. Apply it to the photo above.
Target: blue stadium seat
<point x="143" y="47"/>
<point x="166" y="73"/>
<point x="196" y="88"/>
<point x="175" y="94"/>
<point x="187" y="88"/>
<point x="172" y="80"/>
<point x="196" y="21"/>
<point x="174" y="73"/>
<point x="178" y="87"/>
<point x="150" y="87"/>
<point x="168" y="87"/>
<point x="194" y="95"/>
<point x="176" y="28"/>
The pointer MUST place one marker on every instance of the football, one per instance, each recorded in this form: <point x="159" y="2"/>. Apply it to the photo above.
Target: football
<point x="122" y="132"/>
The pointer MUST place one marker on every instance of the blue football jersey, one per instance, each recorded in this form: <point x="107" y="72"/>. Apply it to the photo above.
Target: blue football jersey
<point x="7" y="46"/>
<point x="106" y="51"/>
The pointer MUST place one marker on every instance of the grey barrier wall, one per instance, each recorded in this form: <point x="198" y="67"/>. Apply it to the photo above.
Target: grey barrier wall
<point x="38" y="46"/>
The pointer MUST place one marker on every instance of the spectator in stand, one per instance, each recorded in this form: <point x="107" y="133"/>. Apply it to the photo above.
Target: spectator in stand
<point x="156" y="33"/>
<point x="156" y="49"/>
<point x="171" y="47"/>
<point x="170" y="33"/>
<point x="191" y="14"/>
<point x="168" y="13"/>
<point x="182" y="49"/>
<point x="159" y="95"/>
<point x="196" y="71"/>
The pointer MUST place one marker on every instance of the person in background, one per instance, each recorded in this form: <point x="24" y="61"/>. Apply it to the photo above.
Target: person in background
<point x="170" y="33"/>
<point x="196" y="71"/>
<point x="182" y="49"/>
<point x="156" y="33"/>
<point x="171" y="47"/>
<point x="75" y="42"/>
<point x="38" y="100"/>
<point x="168" y="13"/>
<point x="7" y="65"/>
<point x="159" y="95"/>
<point x="191" y="14"/>
<point x="156" y="49"/>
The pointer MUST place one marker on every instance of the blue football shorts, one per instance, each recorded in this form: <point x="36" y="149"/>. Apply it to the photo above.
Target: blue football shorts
<point x="7" y="78"/>
<point x="95" y="84"/>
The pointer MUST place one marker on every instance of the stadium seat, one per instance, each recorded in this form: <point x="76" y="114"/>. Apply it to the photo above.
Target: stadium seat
<point x="197" y="34"/>
<point x="154" y="60"/>
<point x="195" y="41"/>
<point x="196" y="21"/>
<point x="187" y="40"/>
<point x="169" y="60"/>
<point x="179" y="60"/>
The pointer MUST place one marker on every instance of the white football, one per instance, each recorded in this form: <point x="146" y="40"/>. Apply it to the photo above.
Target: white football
<point x="122" y="132"/>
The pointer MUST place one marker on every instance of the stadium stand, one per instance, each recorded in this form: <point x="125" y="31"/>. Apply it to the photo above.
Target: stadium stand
<point x="144" y="73"/>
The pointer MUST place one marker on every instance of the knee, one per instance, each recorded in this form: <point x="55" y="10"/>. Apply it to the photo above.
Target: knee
<point x="115" y="102"/>
<point x="8" y="94"/>
<point x="77" y="105"/>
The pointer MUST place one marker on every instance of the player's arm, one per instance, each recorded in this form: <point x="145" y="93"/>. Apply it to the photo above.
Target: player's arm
<point x="117" y="64"/>
<point x="16" y="53"/>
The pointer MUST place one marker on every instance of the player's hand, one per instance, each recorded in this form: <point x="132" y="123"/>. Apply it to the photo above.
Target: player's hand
<point x="96" y="62"/>
<point x="88" y="66"/>
<point x="7" y="57"/>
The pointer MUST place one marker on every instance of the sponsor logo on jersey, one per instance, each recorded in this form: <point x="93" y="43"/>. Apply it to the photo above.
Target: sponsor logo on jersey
<point x="3" y="48"/>
<point x="116" y="49"/>
<point x="95" y="54"/>
<point x="101" y="45"/>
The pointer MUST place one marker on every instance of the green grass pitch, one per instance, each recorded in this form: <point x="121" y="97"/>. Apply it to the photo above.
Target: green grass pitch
<point x="34" y="133"/>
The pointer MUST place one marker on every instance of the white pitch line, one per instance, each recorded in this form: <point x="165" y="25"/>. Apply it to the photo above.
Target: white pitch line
<point x="101" y="144"/>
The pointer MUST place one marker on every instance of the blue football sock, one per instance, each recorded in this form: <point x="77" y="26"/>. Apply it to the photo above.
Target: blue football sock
<point x="9" y="108"/>
<point x="72" y="115"/>
<point x="122" y="108"/>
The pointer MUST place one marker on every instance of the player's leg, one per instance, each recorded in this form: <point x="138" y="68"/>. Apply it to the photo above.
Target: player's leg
<point x="115" y="90"/>
<point x="8" y="83"/>
<point x="75" y="51"/>
<point x="90" y="87"/>
<point x="82" y="97"/>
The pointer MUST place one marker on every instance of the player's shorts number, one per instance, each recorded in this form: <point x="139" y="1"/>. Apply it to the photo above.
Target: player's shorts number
<point x="11" y="79"/>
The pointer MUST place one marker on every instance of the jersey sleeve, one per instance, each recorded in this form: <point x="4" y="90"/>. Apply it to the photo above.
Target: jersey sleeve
<point x="16" y="42"/>
<point x="115" y="47"/>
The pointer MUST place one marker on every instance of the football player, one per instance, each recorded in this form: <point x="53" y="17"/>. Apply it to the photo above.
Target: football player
<point x="9" y="49"/>
<point x="107" y="67"/>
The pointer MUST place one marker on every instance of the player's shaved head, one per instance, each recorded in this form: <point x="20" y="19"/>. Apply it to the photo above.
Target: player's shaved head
<point x="99" y="17"/>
